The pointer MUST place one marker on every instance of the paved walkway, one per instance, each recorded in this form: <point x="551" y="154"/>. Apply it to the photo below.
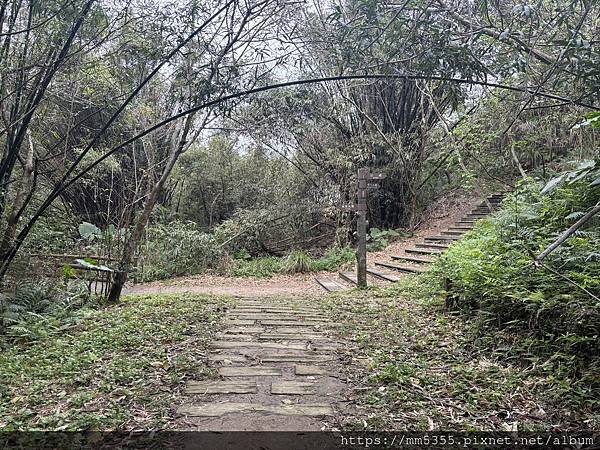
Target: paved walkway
<point x="277" y="369"/>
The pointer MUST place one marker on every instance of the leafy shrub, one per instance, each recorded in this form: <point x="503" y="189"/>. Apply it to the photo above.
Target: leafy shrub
<point x="256" y="267"/>
<point x="333" y="259"/>
<point x="177" y="248"/>
<point x="492" y="268"/>
<point x="36" y="309"/>
<point x="296" y="262"/>
<point x="379" y="239"/>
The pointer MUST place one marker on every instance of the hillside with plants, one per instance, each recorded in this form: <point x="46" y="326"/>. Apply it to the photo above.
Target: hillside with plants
<point x="180" y="186"/>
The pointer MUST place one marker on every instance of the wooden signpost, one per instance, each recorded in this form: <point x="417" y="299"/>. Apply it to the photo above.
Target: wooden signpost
<point x="364" y="176"/>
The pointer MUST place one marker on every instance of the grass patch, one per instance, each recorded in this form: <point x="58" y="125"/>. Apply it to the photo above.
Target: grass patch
<point x="421" y="367"/>
<point x="121" y="367"/>
<point x="295" y="262"/>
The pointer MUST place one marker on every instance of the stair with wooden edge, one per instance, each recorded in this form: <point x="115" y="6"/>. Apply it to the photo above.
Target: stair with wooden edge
<point x="331" y="285"/>
<point x="412" y="259"/>
<point x="405" y="269"/>
<point x="386" y="276"/>
<point x="451" y="233"/>
<point x="349" y="277"/>
<point x="422" y="251"/>
<point x="442" y="238"/>
<point x="430" y="245"/>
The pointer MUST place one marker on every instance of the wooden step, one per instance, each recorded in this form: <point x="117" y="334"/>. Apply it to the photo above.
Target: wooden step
<point x="350" y="277"/>
<point x="422" y="251"/>
<point x="430" y="245"/>
<point x="442" y="238"/>
<point x="406" y="269"/>
<point x="460" y="228"/>
<point x="386" y="276"/>
<point x="330" y="285"/>
<point x="452" y="233"/>
<point x="412" y="259"/>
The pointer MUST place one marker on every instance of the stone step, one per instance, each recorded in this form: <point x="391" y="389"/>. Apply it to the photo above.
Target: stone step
<point x="245" y="330"/>
<point x="412" y="259"/>
<point x="422" y="251"/>
<point x="307" y="370"/>
<point x="222" y="357"/>
<point x="221" y="387"/>
<point x="293" y="388"/>
<point x="295" y="323"/>
<point x="430" y="245"/>
<point x="221" y="409"/>
<point x="386" y="276"/>
<point x="243" y="344"/>
<point x="238" y="322"/>
<point x="350" y="277"/>
<point x="288" y="357"/>
<point x="406" y="269"/>
<point x="293" y="330"/>
<point x="274" y="309"/>
<point x="251" y="371"/>
<point x="331" y="285"/>
<point x="293" y="336"/>
<point x="243" y="316"/>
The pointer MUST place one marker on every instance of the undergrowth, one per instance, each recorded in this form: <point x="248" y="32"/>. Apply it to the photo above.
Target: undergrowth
<point x="122" y="367"/>
<point x="296" y="262"/>
<point x="544" y="316"/>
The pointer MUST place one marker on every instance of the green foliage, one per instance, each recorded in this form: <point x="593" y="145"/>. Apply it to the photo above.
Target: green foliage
<point x="38" y="309"/>
<point x="89" y="231"/>
<point x="491" y="270"/>
<point x="379" y="239"/>
<point x="118" y="361"/>
<point x="296" y="262"/>
<point x="177" y="248"/>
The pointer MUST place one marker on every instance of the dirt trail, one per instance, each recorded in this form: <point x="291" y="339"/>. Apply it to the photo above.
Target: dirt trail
<point x="441" y="215"/>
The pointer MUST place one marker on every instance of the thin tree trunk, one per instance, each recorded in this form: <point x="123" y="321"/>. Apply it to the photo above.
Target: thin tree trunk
<point x="20" y="202"/>
<point x="131" y="245"/>
<point x="568" y="232"/>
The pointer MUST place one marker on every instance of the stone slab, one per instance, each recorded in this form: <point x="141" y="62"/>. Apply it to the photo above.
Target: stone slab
<point x="221" y="387"/>
<point x="284" y="309"/>
<point x="242" y="344"/>
<point x="253" y="371"/>
<point x="326" y="347"/>
<point x="221" y="409"/>
<point x="293" y="388"/>
<point x="220" y="357"/>
<point x="274" y="316"/>
<point x="292" y="323"/>
<point x="236" y="337"/>
<point x="293" y="336"/>
<point x="294" y="330"/>
<point x="238" y="322"/>
<point x="244" y="330"/>
<point x="306" y="358"/>
<point x="301" y="369"/>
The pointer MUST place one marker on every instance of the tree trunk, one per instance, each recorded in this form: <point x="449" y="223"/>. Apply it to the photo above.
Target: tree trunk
<point x="20" y="202"/>
<point x="130" y="247"/>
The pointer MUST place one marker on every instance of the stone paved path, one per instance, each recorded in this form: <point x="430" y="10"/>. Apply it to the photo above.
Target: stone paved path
<point x="278" y="369"/>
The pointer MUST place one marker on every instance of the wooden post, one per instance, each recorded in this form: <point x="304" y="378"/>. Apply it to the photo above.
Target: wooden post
<point x="361" y="228"/>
